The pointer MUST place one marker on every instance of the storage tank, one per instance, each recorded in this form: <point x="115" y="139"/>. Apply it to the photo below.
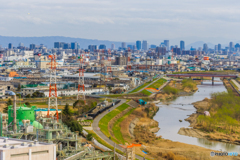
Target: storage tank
<point x="23" y="112"/>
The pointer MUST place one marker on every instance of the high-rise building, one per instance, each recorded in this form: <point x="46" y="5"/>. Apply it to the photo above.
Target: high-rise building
<point x="153" y="46"/>
<point x="139" y="45"/>
<point x="66" y="46"/>
<point x="216" y="47"/>
<point x="134" y="47"/>
<point x="166" y="42"/>
<point x="231" y="46"/>
<point x="161" y="51"/>
<point x="171" y="47"/>
<point x="182" y="45"/>
<point x="121" y="60"/>
<point x="92" y="47"/>
<point x="102" y="46"/>
<point x="219" y="47"/>
<point x="130" y="46"/>
<point x="57" y="44"/>
<point x="144" y="45"/>
<point x="177" y="50"/>
<point x="113" y="46"/>
<point x="32" y="46"/>
<point x="74" y="45"/>
<point x="21" y="45"/>
<point x="124" y="45"/>
<point x="237" y="45"/>
<point x="205" y="47"/>
<point x="10" y="46"/>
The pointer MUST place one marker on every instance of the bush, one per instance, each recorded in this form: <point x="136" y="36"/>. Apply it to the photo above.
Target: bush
<point x="169" y="90"/>
<point x="189" y="83"/>
<point x="74" y="126"/>
<point x="89" y="137"/>
<point x="224" y="111"/>
<point x="28" y="104"/>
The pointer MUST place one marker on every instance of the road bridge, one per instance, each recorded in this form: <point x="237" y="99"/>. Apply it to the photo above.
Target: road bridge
<point x="190" y="75"/>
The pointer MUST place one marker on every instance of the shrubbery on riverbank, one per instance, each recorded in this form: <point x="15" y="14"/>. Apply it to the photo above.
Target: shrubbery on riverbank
<point x="225" y="114"/>
<point x="189" y="83"/>
<point x="170" y="90"/>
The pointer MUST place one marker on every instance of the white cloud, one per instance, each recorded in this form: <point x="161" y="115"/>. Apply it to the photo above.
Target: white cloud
<point x="121" y="20"/>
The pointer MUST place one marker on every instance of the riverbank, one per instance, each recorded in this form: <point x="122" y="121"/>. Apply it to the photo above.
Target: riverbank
<point x="176" y="89"/>
<point x="137" y="128"/>
<point x="218" y="130"/>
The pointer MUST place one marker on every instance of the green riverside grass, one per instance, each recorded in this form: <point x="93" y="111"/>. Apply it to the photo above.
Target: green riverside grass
<point x="158" y="83"/>
<point x="140" y="87"/>
<point x="116" y="127"/>
<point x="145" y="92"/>
<point x="103" y="123"/>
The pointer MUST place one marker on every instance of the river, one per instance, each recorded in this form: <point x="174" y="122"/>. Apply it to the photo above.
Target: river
<point x="168" y="118"/>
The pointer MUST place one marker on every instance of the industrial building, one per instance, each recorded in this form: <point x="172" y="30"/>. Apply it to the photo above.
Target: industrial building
<point x="16" y="149"/>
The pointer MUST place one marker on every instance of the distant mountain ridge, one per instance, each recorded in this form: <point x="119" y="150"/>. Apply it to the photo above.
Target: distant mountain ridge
<point x="49" y="41"/>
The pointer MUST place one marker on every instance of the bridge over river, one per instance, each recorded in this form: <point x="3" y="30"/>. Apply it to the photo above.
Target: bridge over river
<point x="190" y="75"/>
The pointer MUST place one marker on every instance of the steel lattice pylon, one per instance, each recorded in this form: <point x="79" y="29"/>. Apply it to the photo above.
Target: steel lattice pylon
<point x="52" y="101"/>
<point x="81" y="86"/>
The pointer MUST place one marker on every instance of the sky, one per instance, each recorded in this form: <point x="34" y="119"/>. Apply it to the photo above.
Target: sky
<point x="214" y="21"/>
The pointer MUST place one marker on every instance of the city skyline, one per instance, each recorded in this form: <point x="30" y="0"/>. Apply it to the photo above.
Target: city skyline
<point x="123" y="20"/>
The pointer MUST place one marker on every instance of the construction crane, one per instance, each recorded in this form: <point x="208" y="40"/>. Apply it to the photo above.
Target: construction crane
<point x="81" y="86"/>
<point x="52" y="100"/>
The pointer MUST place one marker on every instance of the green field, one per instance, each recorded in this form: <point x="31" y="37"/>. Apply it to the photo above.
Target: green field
<point x="116" y="128"/>
<point x="103" y="123"/>
<point x="158" y="83"/>
<point x="145" y="92"/>
<point x="140" y="87"/>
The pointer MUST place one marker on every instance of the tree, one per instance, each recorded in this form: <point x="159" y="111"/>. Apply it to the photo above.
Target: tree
<point x="37" y="94"/>
<point x="27" y="104"/>
<point x="66" y="110"/>
<point x="28" y="96"/>
<point x="93" y="104"/>
<point x="74" y="126"/>
<point x="9" y="103"/>
<point x="79" y="105"/>
<point x="109" y="88"/>
<point x="89" y="137"/>
<point x="18" y="95"/>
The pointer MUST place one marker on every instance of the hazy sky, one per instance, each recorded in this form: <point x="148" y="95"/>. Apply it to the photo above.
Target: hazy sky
<point x="123" y="20"/>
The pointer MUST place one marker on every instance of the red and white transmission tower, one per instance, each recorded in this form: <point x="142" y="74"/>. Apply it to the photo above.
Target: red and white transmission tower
<point x="81" y="86"/>
<point x="129" y="66"/>
<point x="52" y="101"/>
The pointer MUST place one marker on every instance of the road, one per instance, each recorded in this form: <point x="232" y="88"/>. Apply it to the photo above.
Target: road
<point x="101" y="135"/>
<point x="236" y="83"/>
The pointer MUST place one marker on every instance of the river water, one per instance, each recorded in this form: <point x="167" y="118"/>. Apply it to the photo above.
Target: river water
<point x="168" y="118"/>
